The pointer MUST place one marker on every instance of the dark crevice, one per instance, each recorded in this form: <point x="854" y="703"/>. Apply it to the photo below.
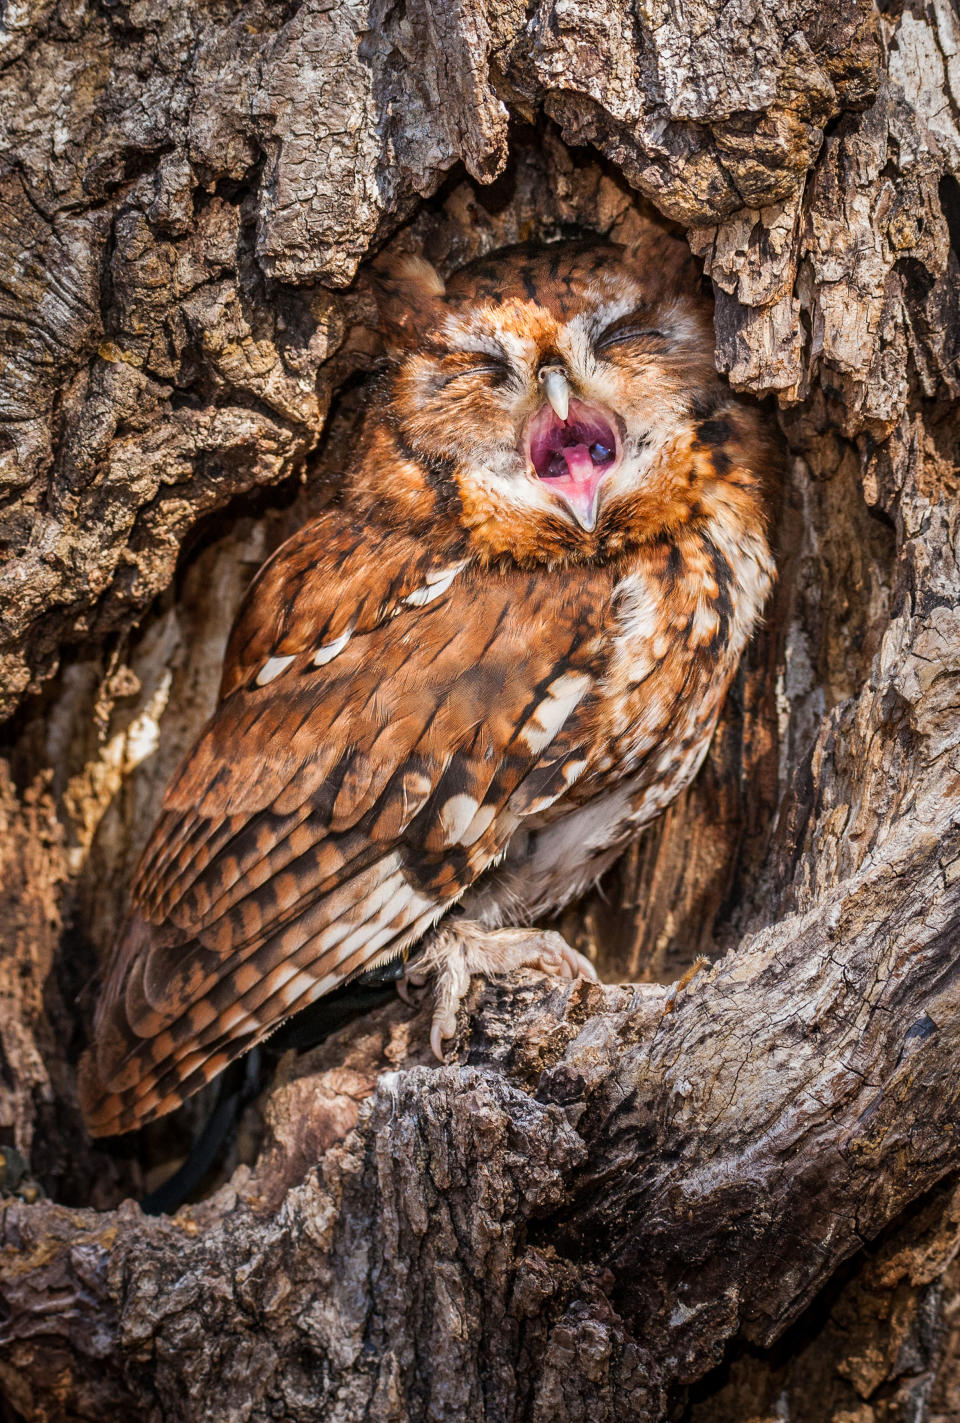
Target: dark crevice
<point x="235" y="191"/>
<point x="820" y="1338"/>
<point x="949" y="191"/>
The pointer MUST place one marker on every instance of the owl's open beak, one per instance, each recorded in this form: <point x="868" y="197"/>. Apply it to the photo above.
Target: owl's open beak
<point x="572" y="454"/>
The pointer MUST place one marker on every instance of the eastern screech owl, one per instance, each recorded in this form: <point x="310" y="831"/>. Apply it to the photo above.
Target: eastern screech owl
<point x="470" y="683"/>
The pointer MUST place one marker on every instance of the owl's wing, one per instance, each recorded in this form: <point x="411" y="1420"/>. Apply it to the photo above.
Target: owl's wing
<point x="386" y="721"/>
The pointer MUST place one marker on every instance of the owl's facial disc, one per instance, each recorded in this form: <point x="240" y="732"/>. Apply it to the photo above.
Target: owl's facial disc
<point x="572" y="457"/>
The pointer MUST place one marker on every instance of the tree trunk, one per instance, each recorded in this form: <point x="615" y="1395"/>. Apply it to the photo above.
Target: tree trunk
<point x="732" y="1197"/>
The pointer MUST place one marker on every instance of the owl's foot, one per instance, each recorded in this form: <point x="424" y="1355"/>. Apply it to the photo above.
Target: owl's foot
<point x="465" y="949"/>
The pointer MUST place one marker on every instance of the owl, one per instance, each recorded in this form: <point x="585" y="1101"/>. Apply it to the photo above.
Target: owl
<point x="451" y="701"/>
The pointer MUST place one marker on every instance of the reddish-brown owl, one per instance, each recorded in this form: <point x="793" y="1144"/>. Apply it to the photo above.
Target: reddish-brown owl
<point x="468" y="685"/>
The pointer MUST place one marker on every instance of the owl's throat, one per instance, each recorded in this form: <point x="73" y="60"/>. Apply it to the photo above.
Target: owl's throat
<point x="573" y="456"/>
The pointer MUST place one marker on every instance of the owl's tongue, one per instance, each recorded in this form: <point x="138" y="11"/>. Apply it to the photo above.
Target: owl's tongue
<point x="580" y="463"/>
<point x="578" y="485"/>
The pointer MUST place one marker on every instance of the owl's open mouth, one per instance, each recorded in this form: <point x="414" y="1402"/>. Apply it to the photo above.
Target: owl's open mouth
<point x="572" y="456"/>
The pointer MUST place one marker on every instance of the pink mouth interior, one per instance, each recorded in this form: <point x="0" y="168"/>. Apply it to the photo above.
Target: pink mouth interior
<point x="571" y="453"/>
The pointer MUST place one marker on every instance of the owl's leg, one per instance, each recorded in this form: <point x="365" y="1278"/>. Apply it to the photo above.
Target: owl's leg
<point x="463" y="949"/>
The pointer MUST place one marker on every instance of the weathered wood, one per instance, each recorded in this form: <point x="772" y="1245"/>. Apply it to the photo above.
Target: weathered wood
<point x="611" y="1185"/>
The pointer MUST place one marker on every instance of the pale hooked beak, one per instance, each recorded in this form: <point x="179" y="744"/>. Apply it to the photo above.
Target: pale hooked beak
<point x="555" y="388"/>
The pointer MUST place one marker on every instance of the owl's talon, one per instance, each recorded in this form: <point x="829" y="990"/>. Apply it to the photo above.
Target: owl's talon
<point x="580" y="966"/>
<point x="457" y="954"/>
<point x="408" y="988"/>
<point x="403" y="992"/>
<point x="438" y="1037"/>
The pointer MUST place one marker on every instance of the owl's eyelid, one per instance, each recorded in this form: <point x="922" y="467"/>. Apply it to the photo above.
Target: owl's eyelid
<point x="486" y="364"/>
<point x="626" y="329"/>
<point x="484" y="359"/>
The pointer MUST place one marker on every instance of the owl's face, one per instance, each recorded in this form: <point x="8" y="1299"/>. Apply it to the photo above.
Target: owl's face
<point x="547" y="395"/>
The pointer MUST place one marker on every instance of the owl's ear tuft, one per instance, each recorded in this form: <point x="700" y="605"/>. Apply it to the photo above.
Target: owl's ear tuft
<point x="408" y="292"/>
<point x="418" y="272"/>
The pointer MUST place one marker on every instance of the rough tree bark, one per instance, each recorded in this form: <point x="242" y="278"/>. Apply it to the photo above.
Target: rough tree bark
<point x="732" y="1199"/>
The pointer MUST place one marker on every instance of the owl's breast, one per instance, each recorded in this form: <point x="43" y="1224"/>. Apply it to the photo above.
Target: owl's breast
<point x="681" y="616"/>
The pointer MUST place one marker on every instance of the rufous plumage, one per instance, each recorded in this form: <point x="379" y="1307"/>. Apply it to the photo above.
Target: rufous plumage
<point x="450" y="701"/>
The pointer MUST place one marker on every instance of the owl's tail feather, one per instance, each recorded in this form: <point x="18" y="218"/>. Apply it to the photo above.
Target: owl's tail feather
<point x="245" y="1078"/>
<point x="239" y="1084"/>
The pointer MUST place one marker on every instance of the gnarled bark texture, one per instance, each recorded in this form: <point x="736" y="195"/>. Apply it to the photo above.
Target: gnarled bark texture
<point x="727" y="1200"/>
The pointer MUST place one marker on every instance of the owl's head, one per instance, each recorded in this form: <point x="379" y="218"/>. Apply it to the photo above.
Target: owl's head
<point x="548" y="401"/>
